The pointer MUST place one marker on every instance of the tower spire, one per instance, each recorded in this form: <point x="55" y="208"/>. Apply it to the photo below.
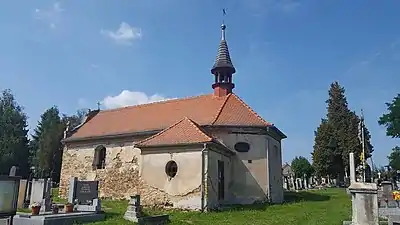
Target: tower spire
<point x="223" y="68"/>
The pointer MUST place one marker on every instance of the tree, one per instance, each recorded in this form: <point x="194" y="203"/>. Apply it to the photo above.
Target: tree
<point x="322" y="156"/>
<point x="337" y="136"/>
<point x="14" y="149"/>
<point x="75" y="120"/>
<point x="391" y="120"/>
<point x="47" y="141"/>
<point x="394" y="158"/>
<point x="301" y="166"/>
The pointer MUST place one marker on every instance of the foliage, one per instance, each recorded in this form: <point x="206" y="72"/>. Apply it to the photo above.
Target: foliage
<point x="300" y="166"/>
<point x="391" y="120"/>
<point x="47" y="141"/>
<point x="14" y="149"/>
<point x="337" y="136"/>
<point x="394" y="158"/>
<point x="322" y="156"/>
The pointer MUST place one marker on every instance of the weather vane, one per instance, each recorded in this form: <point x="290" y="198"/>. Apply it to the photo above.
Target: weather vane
<point x="223" y="15"/>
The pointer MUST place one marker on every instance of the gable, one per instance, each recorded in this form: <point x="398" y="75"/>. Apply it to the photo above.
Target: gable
<point x="183" y="132"/>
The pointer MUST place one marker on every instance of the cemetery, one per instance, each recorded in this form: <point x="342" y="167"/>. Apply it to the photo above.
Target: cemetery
<point x="35" y="202"/>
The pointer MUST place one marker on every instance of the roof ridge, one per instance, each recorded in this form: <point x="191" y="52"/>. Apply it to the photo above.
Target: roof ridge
<point x="161" y="132"/>
<point x="251" y="110"/>
<point x="220" y="109"/>
<point x="152" y="103"/>
<point x="197" y="127"/>
<point x="191" y="122"/>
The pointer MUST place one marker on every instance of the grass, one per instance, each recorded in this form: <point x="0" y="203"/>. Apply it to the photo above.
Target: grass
<point x="322" y="207"/>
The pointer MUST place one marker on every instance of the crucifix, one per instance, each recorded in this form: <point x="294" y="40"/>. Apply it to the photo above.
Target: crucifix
<point x="98" y="105"/>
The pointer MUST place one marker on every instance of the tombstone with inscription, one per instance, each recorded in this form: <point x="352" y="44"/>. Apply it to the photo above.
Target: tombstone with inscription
<point x="85" y="195"/>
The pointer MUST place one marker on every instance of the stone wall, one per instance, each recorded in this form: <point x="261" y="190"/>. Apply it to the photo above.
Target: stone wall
<point x="122" y="175"/>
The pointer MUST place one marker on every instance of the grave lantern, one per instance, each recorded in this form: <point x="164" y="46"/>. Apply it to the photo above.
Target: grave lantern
<point x="9" y="187"/>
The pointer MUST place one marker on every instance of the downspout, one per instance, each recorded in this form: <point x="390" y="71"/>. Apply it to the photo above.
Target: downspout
<point x="202" y="186"/>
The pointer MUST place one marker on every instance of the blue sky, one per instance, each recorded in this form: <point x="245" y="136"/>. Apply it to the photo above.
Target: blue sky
<point x="75" y="53"/>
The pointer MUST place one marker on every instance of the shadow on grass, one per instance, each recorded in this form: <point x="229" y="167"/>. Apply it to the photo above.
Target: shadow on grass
<point x="112" y="215"/>
<point x="304" y="196"/>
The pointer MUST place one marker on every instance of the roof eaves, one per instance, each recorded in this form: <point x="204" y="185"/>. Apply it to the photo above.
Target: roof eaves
<point x="115" y="135"/>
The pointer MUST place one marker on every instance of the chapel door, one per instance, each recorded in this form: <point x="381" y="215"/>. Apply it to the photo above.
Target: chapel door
<point x="221" y="180"/>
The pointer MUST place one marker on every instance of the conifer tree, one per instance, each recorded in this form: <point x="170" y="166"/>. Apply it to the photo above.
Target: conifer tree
<point x="14" y="149"/>
<point x="47" y="141"/>
<point x="343" y="136"/>
<point x="322" y="156"/>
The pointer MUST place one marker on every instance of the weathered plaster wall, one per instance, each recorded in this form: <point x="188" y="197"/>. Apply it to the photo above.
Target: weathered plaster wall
<point x="184" y="189"/>
<point x="253" y="170"/>
<point x="275" y="170"/>
<point x="127" y="172"/>
<point x="212" y="178"/>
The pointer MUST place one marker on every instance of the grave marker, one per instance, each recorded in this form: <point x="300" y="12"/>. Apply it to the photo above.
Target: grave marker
<point x="13" y="171"/>
<point x="86" y="191"/>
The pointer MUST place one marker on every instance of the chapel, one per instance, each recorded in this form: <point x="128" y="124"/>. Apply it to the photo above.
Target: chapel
<point x="195" y="153"/>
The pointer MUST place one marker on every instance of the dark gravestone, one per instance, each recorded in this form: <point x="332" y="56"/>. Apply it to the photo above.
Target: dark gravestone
<point x="385" y="199"/>
<point x="86" y="191"/>
<point x="368" y="174"/>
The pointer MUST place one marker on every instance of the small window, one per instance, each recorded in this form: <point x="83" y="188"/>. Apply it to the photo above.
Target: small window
<point x="99" y="160"/>
<point x="171" y="169"/>
<point x="242" y="147"/>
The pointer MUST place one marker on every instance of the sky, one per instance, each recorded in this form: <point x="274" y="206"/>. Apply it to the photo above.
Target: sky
<point x="73" y="54"/>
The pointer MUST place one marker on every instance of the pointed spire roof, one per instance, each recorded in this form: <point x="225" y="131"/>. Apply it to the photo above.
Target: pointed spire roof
<point x="223" y="60"/>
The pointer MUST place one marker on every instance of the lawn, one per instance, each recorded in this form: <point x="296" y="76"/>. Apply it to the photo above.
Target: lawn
<point x="323" y="207"/>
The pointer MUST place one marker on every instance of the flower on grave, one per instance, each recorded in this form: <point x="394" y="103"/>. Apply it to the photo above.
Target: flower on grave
<point x="396" y="195"/>
<point x="35" y="204"/>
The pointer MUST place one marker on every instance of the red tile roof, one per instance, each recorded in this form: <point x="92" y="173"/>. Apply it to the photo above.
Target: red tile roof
<point x="204" y="110"/>
<point x="184" y="131"/>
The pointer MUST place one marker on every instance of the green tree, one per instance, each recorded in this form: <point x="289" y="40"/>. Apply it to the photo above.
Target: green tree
<point x="391" y="120"/>
<point x="394" y="158"/>
<point x="47" y="141"/>
<point x="301" y="166"/>
<point x="337" y="136"/>
<point x="14" y="149"/>
<point x="75" y="120"/>
<point x="322" y="156"/>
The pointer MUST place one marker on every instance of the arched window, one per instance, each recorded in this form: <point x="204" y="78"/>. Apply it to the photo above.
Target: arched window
<point x="99" y="160"/>
<point x="171" y="169"/>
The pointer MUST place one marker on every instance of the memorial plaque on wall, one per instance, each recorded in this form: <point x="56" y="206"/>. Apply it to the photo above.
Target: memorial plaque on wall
<point x="86" y="191"/>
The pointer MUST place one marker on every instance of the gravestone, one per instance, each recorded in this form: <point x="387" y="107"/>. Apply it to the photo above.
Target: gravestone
<point x="86" y="191"/>
<point x="85" y="195"/>
<point x="13" y="171"/>
<point x="23" y="184"/>
<point x="385" y="196"/>
<point x="133" y="212"/>
<point x="41" y="193"/>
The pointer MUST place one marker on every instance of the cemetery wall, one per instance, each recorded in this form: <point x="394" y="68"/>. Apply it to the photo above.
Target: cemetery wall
<point x="127" y="172"/>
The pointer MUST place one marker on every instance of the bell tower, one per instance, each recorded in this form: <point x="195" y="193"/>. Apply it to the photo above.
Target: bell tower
<point x="223" y="68"/>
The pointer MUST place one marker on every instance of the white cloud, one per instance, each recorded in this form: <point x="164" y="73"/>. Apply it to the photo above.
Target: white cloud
<point x="128" y="98"/>
<point x="94" y="66"/>
<point x="125" y="34"/>
<point x="51" y="15"/>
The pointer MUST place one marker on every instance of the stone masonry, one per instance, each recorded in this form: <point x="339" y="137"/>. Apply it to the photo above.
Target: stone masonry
<point x="119" y="180"/>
